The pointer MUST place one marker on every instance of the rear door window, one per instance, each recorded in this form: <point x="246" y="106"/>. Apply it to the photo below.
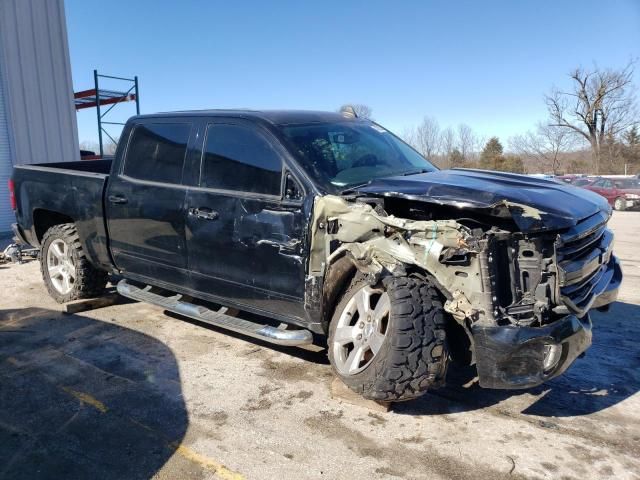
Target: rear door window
<point x="239" y="158"/>
<point x="157" y="151"/>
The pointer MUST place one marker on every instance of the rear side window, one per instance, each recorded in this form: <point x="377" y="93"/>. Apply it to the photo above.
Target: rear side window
<point x="156" y="152"/>
<point x="241" y="159"/>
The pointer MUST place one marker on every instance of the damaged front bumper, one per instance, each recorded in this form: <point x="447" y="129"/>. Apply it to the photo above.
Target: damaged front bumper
<point x="512" y="357"/>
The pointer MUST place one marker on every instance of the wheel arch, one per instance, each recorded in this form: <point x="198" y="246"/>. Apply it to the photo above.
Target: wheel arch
<point x="343" y="270"/>
<point x="44" y="219"/>
<point x="338" y="277"/>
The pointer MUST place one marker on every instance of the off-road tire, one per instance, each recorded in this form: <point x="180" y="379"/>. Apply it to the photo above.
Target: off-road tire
<point x="619" y="204"/>
<point x="414" y="354"/>
<point x="89" y="281"/>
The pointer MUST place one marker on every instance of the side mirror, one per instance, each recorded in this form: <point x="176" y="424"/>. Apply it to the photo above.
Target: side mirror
<point x="292" y="189"/>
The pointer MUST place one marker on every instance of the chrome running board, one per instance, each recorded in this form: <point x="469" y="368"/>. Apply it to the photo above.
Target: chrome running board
<point x="268" y="333"/>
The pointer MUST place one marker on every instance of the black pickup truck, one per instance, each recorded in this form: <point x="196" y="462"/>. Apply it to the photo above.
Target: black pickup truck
<point x="293" y="226"/>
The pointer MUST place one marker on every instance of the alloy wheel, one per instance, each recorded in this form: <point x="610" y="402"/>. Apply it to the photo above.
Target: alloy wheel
<point x="361" y="330"/>
<point x="61" y="266"/>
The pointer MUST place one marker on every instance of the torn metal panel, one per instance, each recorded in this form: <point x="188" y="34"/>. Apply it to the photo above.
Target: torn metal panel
<point x="379" y="244"/>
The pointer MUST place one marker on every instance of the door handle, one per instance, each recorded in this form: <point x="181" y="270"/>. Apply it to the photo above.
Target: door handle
<point x="204" y="213"/>
<point x="119" y="199"/>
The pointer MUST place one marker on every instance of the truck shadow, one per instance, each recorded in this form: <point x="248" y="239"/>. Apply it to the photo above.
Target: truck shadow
<point x="82" y="398"/>
<point x="607" y="375"/>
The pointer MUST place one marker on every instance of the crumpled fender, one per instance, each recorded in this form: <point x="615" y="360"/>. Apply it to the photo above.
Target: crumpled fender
<point x="386" y="245"/>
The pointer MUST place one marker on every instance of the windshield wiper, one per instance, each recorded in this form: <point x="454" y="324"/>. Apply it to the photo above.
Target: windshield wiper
<point x="416" y="172"/>
<point x="353" y="188"/>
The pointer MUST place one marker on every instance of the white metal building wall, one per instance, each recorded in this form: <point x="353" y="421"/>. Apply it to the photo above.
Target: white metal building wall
<point x="35" y="72"/>
<point x="6" y="214"/>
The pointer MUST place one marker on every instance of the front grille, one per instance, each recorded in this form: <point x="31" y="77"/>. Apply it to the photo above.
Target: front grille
<point x="583" y="254"/>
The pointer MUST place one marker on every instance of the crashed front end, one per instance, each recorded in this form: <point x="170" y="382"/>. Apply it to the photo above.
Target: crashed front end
<point x="541" y="320"/>
<point x="521" y="298"/>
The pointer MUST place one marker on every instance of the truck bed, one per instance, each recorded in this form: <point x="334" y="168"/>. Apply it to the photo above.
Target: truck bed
<point x="66" y="191"/>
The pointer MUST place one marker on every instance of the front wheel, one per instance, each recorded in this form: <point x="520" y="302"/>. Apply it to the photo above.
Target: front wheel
<point x="66" y="272"/>
<point x="387" y="342"/>
<point x="620" y="204"/>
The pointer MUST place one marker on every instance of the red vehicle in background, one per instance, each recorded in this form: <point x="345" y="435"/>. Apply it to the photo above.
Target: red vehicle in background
<point x="574" y="179"/>
<point x="583" y="181"/>
<point x="565" y="178"/>
<point x="622" y="194"/>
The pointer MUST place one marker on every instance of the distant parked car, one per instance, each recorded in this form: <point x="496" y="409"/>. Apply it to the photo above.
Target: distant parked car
<point x="582" y="181"/>
<point x="565" y="178"/>
<point x="621" y="194"/>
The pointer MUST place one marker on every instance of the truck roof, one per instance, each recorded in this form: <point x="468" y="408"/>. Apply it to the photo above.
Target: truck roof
<point x="275" y="117"/>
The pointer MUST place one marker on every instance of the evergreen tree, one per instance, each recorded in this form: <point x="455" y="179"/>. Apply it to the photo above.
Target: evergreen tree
<point x="632" y="136"/>
<point x="631" y="151"/>
<point x="457" y="159"/>
<point x="491" y="156"/>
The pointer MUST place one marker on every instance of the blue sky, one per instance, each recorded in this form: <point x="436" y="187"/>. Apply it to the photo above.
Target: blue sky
<point x="484" y="63"/>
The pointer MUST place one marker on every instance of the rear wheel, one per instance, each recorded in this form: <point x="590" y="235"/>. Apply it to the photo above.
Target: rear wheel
<point x="387" y="341"/>
<point x="65" y="269"/>
<point x="620" y="203"/>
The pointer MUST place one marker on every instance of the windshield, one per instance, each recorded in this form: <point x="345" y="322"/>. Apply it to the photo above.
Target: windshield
<point x="348" y="154"/>
<point x="627" y="183"/>
<point x="582" y="182"/>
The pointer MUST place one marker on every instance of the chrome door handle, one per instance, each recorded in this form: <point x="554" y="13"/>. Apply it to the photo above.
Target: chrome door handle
<point x="204" y="213"/>
<point x="118" y="199"/>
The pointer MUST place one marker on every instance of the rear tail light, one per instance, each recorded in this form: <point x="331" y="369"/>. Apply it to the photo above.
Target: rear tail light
<point x="12" y="195"/>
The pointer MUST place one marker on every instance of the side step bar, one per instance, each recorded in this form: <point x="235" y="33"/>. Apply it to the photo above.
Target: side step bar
<point x="174" y="304"/>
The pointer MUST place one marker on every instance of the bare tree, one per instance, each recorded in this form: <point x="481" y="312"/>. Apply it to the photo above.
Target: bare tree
<point x="362" y="111"/>
<point x="426" y="137"/>
<point x="111" y="147"/>
<point x="447" y="145"/>
<point x="90" y="146"/>
<point x="446" y="148"/>
<point x="545" y="144"/>
<point x="468" y="142"/>
<point x="409" y="136"/>
<point x="601" y="105"/>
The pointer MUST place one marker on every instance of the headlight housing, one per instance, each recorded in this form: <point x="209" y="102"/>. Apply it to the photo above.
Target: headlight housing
<point x="632" y="196"/>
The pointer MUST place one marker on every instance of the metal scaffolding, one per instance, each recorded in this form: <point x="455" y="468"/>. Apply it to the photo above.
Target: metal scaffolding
<point x="97" y="97"/>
